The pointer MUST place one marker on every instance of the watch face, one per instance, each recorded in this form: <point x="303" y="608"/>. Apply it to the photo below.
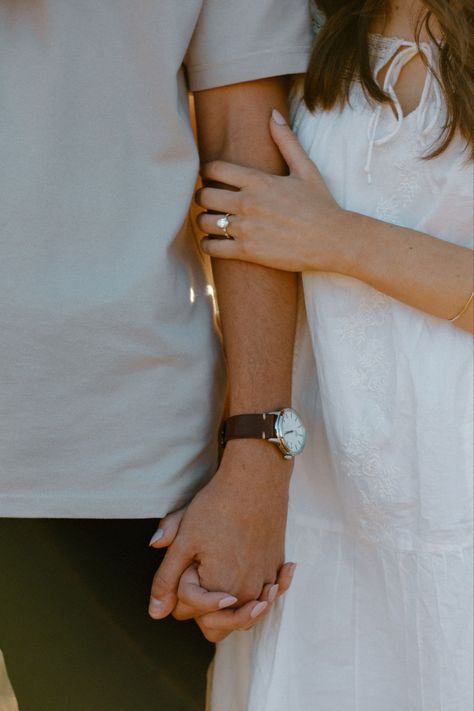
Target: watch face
<point x="291" y="431"/>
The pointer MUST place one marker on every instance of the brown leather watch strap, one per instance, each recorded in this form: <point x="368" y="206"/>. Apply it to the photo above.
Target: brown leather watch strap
<point x="260" y="426"/>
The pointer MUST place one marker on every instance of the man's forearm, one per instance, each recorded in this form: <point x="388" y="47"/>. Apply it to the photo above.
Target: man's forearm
<point x="235" y="526"/>
<point x="257" y="305"/>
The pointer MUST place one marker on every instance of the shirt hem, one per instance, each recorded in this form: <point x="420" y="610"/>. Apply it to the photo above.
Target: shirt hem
<point x="87" y="508"/>
<point x="242" y="69"/>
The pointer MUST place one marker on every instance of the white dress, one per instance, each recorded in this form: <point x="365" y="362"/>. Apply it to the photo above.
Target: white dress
<point x="379" y="617"/>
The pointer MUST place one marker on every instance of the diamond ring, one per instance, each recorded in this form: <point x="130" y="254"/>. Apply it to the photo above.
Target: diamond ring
<point x="223" y="223"/>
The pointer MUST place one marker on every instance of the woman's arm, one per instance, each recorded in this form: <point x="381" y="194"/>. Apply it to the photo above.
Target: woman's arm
<point x="294" y="223"/>
<point x="429" y="274"/>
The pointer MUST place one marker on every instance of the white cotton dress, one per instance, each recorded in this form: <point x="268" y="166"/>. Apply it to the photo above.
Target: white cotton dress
<point x="379" y="617"/>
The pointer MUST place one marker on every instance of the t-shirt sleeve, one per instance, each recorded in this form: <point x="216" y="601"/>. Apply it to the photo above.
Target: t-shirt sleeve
<point x="243" y="40"/>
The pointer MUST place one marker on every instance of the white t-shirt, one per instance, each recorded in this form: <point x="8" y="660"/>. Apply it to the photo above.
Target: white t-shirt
<point x="111" y="375"/>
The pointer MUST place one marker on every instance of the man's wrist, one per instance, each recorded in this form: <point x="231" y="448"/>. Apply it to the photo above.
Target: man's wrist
<point x="257" y="460"/>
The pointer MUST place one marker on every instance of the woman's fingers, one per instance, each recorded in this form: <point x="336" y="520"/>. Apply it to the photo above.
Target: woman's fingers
<point x="195" y="601"/>
<point x="218" y="200"/>
<point x="228" y="173"/>
<point x="169" y="527"/>
<point x="217" y="625"/>
<point x="285" y="577"/>
<point x="221" y="248"/>
<point x="297" y="160"/>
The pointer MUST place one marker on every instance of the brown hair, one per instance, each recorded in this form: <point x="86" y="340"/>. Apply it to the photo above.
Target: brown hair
<point x="341" y="55"/>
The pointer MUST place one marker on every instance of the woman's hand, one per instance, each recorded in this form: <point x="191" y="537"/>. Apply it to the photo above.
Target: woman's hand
<point x="216" y="613"/>
<point x="289" y="223"/>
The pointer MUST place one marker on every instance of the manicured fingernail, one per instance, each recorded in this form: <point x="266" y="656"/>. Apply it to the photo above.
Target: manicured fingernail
<point x="273" y="593"/>
<point x="258" y="609"/>
<point x="291" y="569"/>
<point x="157" y="536"/>
<point x="278" y="118"/>
<point x="155" y="608"/>
<point x="227" y="601"/>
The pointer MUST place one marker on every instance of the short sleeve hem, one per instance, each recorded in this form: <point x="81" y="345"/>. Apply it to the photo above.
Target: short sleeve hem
<point x="258" y="65"/>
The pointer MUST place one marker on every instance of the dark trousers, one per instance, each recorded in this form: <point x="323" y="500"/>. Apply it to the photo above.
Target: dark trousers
<point x="74" y="627"/>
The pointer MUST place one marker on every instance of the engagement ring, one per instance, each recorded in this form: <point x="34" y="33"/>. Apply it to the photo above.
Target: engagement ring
<point x="223" y="223"/>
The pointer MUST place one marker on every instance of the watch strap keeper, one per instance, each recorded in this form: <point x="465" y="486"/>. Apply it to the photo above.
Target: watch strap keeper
<point x="252" y="426"/>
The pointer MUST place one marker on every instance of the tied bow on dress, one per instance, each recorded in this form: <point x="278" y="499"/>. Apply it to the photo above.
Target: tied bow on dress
<point x="427" y="111"/>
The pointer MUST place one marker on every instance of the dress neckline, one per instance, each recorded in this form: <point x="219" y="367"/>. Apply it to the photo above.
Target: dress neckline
<point x="380" y="42"/>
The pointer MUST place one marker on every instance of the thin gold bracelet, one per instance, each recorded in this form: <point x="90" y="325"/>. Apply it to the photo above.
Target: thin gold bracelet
<point x="463" y="310"/>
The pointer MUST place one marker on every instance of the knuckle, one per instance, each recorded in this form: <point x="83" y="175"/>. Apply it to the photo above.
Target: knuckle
<point x="247" y="203"/>
<point x="244" y="228"/>
<point x="251" y="592"/>
<point x="180" y="615"/>
<point x="160" y="583"/>
<point x="239" y="198"/>
<point x="264" y="181"/>
<point x="210" y="634"/>
<point x="179" y="547"/>
<point x="254" y="177"/>
<point x="214" y="168"/>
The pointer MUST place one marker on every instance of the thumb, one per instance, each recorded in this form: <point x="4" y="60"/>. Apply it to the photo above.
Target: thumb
<point x="164" y="589"/>
<point x="289" y="146"/>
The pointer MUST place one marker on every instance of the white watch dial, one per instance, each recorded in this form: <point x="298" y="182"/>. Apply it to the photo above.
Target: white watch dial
<point x="291" y="431"/>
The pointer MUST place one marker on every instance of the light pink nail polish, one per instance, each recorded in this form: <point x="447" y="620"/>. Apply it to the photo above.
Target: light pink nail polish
<point x="291" y="570"/>
<point x="278" y="118"/>
<point x="258" y="609"/>
<point x="155" y="608"/>
<point x="273" y="593"/>
<point x="157" y="536"/>
<point x="227" y="601"/>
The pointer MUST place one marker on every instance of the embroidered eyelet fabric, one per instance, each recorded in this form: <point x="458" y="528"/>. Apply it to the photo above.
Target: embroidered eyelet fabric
<point x="379" y="617"/>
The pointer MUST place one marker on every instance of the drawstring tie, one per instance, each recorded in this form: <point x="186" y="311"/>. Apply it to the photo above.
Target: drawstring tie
<point x="431" y="88"/>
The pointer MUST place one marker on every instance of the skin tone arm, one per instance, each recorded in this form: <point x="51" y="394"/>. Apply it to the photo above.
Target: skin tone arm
<point x="232" y="533"/>
<point x="427" y="273"/>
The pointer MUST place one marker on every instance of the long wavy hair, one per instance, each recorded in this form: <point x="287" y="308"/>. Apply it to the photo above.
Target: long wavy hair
<point x="341" y="55"/>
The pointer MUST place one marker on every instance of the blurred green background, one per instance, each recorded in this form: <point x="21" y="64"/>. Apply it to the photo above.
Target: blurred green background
<point x="74" y="627"/>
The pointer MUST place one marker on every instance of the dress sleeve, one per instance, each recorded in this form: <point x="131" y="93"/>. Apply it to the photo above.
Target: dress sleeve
<point x="243" y="40"/>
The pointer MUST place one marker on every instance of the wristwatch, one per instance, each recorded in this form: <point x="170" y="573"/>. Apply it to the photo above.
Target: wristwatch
<point x="283" y="428"/>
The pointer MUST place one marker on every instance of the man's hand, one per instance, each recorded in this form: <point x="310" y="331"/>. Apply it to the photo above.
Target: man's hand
<point x="233" y="530"/>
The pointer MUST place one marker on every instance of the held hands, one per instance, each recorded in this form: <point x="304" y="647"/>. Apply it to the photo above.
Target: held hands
<point x="230" y="538"/>
<point x="279" y="222"/>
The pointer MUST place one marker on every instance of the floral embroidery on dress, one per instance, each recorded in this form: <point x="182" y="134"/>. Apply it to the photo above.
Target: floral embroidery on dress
<point x="371" y="311"/>
<point x="376" y="481"/>
<point x="408" y="166"/>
